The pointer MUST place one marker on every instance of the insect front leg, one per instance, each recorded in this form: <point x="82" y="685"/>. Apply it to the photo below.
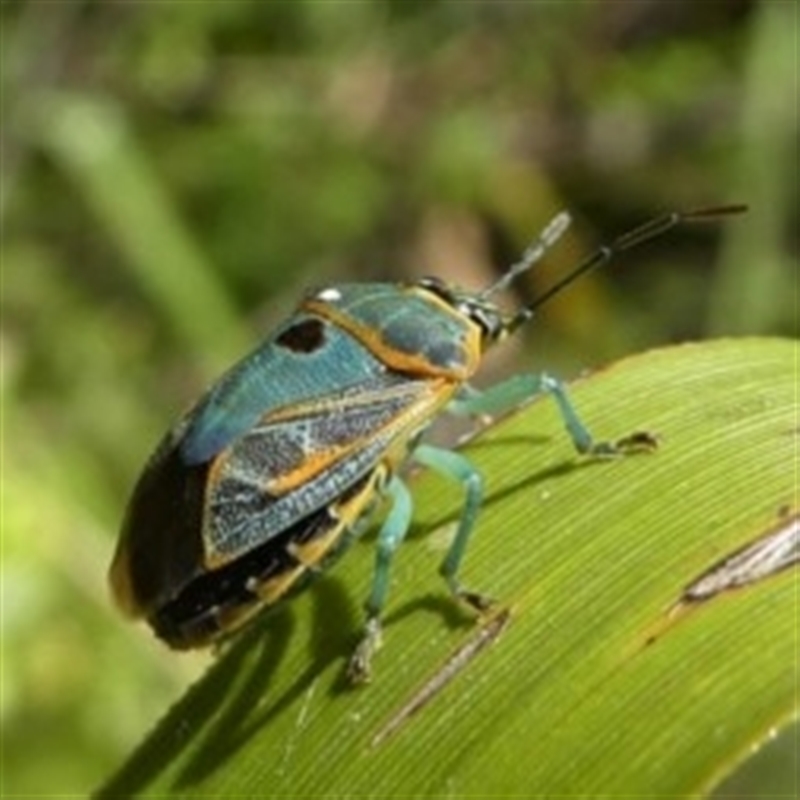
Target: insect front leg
<point x="511" y="393"/>
<point x="389" y="539"/>
<point x="454" y="465"/>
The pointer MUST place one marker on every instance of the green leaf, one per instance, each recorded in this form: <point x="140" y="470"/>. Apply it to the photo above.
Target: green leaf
<point x="586" y="681"/>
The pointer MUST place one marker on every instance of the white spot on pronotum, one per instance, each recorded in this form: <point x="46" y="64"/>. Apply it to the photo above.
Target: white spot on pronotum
<point x="329" y="295"/>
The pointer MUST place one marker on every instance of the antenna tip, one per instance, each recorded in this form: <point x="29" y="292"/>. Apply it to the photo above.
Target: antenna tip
<point x="716" y="211"/>
<point x="555" y="228"/>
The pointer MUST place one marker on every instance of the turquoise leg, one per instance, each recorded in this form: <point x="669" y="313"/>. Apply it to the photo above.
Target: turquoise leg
<point x="389" y="539"/>
<point x="516" y="390"/>
<point x="454" y="465"/>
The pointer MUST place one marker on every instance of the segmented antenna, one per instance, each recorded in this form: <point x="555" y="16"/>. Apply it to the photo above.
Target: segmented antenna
<point x="552" y="232"/>
<point x="626" y="241"/>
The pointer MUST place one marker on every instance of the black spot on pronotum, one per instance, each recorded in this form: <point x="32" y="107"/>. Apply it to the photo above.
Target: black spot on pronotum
<point x="303" y="337"/>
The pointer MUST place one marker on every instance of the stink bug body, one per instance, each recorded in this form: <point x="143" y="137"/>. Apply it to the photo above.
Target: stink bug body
<point x="277" y="466"/>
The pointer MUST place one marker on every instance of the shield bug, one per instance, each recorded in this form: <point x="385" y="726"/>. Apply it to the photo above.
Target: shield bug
<point x="276" y="468"/>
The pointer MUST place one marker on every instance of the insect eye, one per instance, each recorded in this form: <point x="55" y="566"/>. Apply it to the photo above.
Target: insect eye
<point x="441" y="289"/>
<point x="434" y="284"/>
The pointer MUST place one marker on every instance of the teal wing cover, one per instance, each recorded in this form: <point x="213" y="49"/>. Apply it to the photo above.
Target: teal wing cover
<point x="307" y="358"/>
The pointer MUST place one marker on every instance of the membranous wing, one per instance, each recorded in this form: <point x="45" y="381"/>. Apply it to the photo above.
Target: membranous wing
<point x="221" y="600"/>
<point x="297" y="459"/>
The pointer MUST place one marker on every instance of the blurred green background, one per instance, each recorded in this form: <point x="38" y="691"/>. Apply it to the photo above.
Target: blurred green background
<point x="175" y="173"/>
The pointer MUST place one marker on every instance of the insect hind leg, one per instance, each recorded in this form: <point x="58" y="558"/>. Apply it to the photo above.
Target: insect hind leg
<point x="511" y="393"/>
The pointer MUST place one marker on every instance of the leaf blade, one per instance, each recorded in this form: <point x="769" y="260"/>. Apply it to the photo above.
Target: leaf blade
<point x="592" y="687"/>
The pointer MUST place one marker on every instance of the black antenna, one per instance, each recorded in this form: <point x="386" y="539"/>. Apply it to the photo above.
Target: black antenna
<point x="643" y="233"/>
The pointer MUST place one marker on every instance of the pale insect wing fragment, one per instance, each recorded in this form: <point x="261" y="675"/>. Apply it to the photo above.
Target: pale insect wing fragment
<point x="768" y="555"/>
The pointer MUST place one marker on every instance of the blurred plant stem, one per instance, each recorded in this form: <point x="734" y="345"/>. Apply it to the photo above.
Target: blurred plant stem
<point x="89" y="138"/>
<point x="756" y="267"/>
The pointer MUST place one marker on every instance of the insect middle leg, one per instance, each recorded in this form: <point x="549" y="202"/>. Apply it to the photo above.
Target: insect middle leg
<point x="511" y="393"/>
<point x="454" y="465"/>
<point x="390" y="537"/>
<point x="393" y="532"/>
